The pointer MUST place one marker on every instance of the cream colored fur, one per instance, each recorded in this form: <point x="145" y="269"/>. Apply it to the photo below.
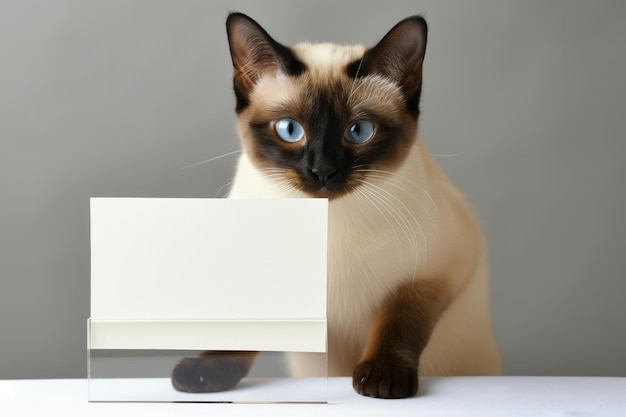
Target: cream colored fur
<point x="408" y="224"/>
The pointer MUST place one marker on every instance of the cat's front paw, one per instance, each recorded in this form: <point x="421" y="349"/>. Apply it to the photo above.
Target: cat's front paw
<point x="212" y="372"/>
<point x="385" y="379"/>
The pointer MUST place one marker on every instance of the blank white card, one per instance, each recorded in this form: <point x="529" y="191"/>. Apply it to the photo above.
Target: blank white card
<point x="228" y="274"/>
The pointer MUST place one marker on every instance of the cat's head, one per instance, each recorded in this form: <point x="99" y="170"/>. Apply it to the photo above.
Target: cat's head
<point x="322" y="117"/>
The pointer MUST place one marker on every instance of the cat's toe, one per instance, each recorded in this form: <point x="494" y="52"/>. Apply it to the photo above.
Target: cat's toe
<point x="206" y="374"/>
<point x="385" y="379"/>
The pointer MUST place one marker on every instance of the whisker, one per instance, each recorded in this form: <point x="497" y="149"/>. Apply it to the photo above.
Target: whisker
<point x="274" y="175"/>
<point x="282" y="185"/>
<point x="356" y="76"/>
<point x="391" y="209"/>
<point x="363" y="195"/>
<point x="212" y="159"/>
<point x="387" y="181"/>
<point x="378" y="97"/>
<point x="384" y="175"/>
<point x="270" y="170"/>
<point x="229" y="183"/>
<point x="403" y="216"/>
<point x="446" y="155"/>
<point x="285" y="188"/>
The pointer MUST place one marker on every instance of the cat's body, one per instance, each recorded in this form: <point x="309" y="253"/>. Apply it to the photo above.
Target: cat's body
<point x="407" y="276"/>
<point x="371" y="253"/>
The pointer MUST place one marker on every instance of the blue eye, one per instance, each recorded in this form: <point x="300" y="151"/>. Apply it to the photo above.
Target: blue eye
<point x="360" y="131"/>
<point x="289" y="130"/>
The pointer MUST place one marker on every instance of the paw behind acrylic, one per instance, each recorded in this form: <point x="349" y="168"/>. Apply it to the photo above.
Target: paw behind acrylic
<point x="212" y="371"/>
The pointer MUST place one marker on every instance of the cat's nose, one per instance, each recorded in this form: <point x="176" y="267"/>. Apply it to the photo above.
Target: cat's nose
<point x="324" y="173"/>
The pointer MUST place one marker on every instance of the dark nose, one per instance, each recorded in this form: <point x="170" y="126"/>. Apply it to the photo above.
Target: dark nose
<point x="324" y="173"/>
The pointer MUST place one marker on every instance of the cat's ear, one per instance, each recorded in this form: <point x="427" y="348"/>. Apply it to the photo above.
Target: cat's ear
<point x="399" y="56"/>
<point x="255" y="54"/>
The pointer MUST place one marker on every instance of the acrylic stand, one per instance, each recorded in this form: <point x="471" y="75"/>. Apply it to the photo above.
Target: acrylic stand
<point x="144" y="376"/>
<point x="172" y="277"/>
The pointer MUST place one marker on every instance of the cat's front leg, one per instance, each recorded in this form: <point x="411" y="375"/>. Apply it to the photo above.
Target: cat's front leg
<point x="212" y="371"/>
<point x="389" y="365"/>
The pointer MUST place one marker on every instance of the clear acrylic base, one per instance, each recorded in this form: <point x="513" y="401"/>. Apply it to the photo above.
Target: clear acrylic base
<point x="121" y="375"/>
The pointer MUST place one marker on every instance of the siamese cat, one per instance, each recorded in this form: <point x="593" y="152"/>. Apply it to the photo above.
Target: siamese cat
<point x="407" y="275"/>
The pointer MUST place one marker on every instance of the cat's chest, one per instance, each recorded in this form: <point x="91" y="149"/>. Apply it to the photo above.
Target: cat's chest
<point x="373" y="244"/>
<point x="367" y="259"/>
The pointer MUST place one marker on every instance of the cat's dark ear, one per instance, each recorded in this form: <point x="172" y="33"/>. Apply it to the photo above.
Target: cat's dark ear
<point x="399" y="56"/>
<point x="255" y="54"/>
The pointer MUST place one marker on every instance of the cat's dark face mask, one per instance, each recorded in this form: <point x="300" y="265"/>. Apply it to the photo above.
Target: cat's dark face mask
<point x="324" y="127"/>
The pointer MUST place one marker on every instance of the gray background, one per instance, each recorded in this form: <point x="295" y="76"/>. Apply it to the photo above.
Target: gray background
<point x="523" y="105"/>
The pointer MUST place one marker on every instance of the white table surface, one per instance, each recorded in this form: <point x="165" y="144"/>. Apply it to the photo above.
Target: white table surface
<point x="466" y="396"/>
